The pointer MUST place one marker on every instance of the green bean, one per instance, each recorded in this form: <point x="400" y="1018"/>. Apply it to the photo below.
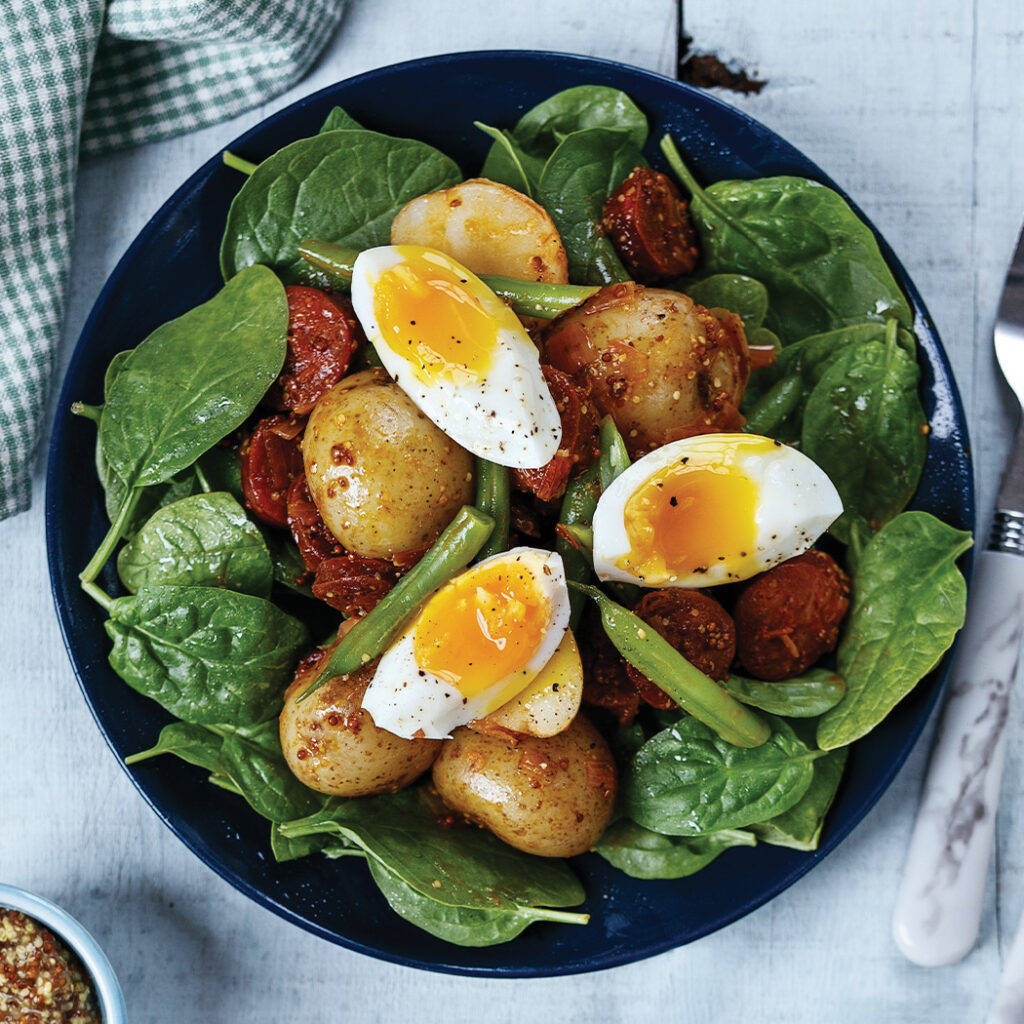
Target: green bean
<point x="650" y="653"/>
<point x="776" y="406"/>
<point x="493" y="498"/>
<point x="614" y="458"/>
<point x="578" y="510"/>
<point x="237" y="163"/>
<point x="527" y="298"/>
<point x="464" y="536"/>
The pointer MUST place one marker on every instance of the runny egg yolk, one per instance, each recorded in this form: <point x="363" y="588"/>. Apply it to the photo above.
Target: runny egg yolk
<point x="482" y="628"/>
<point x="428" y="312"/>
<point x="694" y="513"/>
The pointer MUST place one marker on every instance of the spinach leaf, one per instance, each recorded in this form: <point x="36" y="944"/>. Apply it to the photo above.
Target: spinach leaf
<point x="909" y="600"/>
<point x="205" y="540"/>
<point x="582" y="172"/>
<point x="340" y="186"/>
<point x="820" y="263"/>
<point x="641" y="853"/>
<point x="222" y="468"/>
<point x="206" y="655"/>
<point x="339" y="119"/>
<point x="463" y="926"/>
<point x="192" y="743"/>
<point x="738" y="293"/>
<point x="508" y="164"/>
<point x="256" y="765"/>
<point x="289" y="569"/>
<point x="194" y="380"/>
<point x="460" y="865"/>
<point x="800" y="827"/>
<point x="804" y="696"/>
<point x="687" y="781"/>
<point x="863" y="424"/>
<point x="285" y="849"/>
<point x="541" y="130"/>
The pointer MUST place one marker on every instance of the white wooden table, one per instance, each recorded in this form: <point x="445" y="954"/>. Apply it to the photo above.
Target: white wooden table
<point x="916" y="109"/>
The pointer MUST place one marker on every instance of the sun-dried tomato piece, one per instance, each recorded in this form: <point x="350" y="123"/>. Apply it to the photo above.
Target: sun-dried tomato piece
<point x="354" y="584"/>
<point x="271" y="460"/>
<point x="323" y="335"/>
<point x="695" y="625"/>
<point x="579" y="445"/>
<point x="649" y="224"/>
<point x="315" y="542"/>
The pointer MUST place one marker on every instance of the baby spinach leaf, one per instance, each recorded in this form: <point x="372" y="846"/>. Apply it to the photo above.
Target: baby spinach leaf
<point x="192" y="743"/>
<point x="804" y="696"/>
<point x="508" y="164"/>
<point x="541" y="130"/>
<point x="820" y="263"/>
<point x="800" y="827"/>
<point x="285" y="849"/>
<point x="908" y="603"/>
<point x="863" y="424"/>
<point x="339" y="119"/>
<point x="194" y="380"/>
<point x="222" y="468"/>
<point x="641" y="853"/>
<point x="460" y="865"/>
<point x="289" y="569"/>
<point x="340" y="186"/>
<point x="582" y="172"/>
<point x="687" y="781"/>
<point x="205" y="540"/>
<point x="206" y="655"/>
<point x="463" y="926"/>
<point x="257" y="767"/>
<point x="739" y="294"/>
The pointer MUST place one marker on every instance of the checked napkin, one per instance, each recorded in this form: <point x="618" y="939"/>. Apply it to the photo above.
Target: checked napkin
<point x="89" y="77"/>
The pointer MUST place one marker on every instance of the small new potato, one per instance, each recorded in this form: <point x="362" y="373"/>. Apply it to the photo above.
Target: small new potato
<point x="551" y="797"/>
<point x="332" y="745"/>
<point x="385" y="479"/>
<point x="489" y="228"/>
<point x="663" y="367"/>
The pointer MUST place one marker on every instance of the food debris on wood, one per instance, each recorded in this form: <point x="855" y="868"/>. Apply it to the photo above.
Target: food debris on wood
<point x="708" y="70"/>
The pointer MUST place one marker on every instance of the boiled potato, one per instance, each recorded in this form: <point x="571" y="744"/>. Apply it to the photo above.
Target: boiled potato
<point x="660" y="365"/>
<point x="332" y="745"/>
<point x="552" y="797"/>
<point x="489" y="228"/>
<point x="549" y="704"/>
<point x="385" y="479"/>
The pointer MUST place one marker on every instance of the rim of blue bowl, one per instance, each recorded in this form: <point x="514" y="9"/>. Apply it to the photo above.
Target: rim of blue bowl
<point x="834" y="836"/>
<point x="108" y="990"/>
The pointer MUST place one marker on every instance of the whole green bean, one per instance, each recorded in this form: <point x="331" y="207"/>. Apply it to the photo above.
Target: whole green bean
<point x="527" y="298"/>
<point x="650" y="653"/>
<point x="493" y="498"/>
<point x="464" y="536"/>
<point x="578" y="509"/>
<point x="776" y="406"/>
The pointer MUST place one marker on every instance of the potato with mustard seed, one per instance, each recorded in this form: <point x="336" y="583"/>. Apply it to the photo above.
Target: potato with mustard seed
<point x="552" y="797"/>
<point x="385" y="479"/>
<point x="331" y="743"/>
<point x="661" y="366"/>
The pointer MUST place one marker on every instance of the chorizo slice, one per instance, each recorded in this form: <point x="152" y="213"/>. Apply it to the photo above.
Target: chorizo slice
<point x="354" y="584"/>
<point x="323" y="335"/>
<point x="271" y="460"/>
<point x="649" y="224"/>
<point x="315" y="542"/>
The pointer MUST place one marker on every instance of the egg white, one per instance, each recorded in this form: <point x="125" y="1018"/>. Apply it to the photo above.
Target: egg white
<point x="508" y="416"/>
<point x="796" y="503"/>
<point x="409" y="701"/>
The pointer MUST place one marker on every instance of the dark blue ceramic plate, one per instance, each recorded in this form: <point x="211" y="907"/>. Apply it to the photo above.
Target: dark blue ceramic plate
<point x="172" y="266"/>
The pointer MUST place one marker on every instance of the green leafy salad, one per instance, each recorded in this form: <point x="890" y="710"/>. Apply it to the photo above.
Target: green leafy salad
<point x="476" y="524"/>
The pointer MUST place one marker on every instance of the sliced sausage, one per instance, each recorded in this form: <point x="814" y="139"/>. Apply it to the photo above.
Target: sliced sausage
<point x="315" y="542"/>
<point x="271" y="460"/>
<point x="353" y="584"/>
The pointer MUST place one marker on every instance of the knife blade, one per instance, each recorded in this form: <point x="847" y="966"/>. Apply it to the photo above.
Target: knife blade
<point x="938" y="908"/>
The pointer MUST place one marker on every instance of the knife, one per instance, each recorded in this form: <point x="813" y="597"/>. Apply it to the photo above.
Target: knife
<point x="938" y="908"/>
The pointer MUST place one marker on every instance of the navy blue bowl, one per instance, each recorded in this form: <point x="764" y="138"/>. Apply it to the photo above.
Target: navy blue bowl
<point x="172" y="266"/>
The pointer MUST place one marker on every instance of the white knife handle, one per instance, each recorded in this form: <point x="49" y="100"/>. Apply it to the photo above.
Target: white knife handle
<point x="938" y="909"/>
<point x="1009" y="1005"/>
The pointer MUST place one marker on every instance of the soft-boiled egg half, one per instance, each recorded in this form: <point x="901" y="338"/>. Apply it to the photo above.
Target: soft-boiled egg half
<point x="711" y="509"/>
<point x="458" y="352"/>
<point x="473" y="646"/>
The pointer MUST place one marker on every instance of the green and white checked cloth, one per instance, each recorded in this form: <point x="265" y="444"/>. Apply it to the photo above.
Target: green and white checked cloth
<point x="89" y="77"/>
